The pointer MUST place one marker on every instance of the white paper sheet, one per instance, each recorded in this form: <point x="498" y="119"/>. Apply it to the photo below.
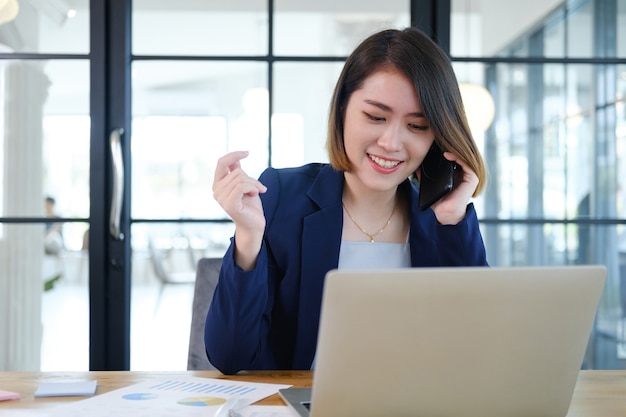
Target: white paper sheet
<point x="266" y="411"/>
<point x="190" y="397"/>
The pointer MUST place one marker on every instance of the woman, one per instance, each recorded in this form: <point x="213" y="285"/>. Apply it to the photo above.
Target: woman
<point x="396" y="95"/>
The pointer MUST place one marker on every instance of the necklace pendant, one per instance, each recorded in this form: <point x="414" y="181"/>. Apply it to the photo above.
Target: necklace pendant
<point x="365" y="231"/>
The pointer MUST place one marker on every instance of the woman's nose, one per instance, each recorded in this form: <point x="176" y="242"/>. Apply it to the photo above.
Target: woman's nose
<point x="391" y="139"/>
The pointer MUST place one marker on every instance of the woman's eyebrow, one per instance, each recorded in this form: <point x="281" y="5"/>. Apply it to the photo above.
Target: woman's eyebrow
<point x="385" y="107"/>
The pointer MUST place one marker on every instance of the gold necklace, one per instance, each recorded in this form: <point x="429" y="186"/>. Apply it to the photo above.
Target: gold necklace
<point x="371" y="236"/>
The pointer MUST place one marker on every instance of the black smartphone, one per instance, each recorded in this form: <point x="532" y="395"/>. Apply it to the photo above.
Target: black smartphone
<point x="437" y="177"/>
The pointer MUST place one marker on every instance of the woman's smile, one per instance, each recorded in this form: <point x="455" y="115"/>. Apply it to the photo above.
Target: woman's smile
<point x="386" y="164"/>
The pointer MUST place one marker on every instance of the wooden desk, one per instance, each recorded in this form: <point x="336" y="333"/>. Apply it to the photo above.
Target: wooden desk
<point x="26" y="383"/>
<point x="597" y="394"/>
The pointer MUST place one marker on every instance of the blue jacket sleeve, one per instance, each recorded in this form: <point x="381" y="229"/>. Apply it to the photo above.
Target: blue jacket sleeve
<point x="238" y="322"/>
<point x="239" y="317"/>
<point x="462" y="244"/>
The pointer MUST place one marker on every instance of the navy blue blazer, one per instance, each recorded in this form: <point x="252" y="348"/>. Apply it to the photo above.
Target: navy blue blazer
<point x="268" y="318"/>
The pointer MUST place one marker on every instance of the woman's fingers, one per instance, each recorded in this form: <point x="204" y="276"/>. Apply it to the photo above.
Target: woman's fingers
<point x="236" y="192"/>
<point x="238" y="195"/>
<point x="239" y="181"/>
<point x="469" y="176"/>
<point x="236" y="185"/>
<point x="228" y="163"/>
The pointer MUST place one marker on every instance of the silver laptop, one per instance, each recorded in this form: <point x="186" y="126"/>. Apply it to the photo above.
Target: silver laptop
<point x="451" y="342"/>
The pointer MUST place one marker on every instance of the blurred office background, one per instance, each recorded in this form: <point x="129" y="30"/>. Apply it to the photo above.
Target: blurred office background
<point x="124" y="106"/>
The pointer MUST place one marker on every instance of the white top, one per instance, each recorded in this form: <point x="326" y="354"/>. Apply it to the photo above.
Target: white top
<point x="374" y="255"/>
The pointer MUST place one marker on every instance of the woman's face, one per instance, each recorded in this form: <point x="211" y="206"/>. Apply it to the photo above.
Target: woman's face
<point x="386" y="134"/>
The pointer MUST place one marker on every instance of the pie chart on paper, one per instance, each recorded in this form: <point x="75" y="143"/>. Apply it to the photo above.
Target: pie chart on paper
<point x="202" y="401"/>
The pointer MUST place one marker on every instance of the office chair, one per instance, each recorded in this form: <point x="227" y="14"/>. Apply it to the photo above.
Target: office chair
<point x="207" y="275"/>
<point x="165" y="277"/>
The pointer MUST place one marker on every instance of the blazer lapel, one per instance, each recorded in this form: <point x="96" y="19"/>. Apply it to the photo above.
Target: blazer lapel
<point x="321" y="240"/>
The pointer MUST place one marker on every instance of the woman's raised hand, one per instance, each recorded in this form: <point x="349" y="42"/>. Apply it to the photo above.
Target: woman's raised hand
<point x="238" y="194"/>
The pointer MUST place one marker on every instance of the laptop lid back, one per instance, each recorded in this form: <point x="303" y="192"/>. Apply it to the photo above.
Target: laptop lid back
<point x="453" y="341"/>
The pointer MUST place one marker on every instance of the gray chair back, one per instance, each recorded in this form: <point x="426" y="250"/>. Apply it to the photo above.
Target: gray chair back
<point x="207" y="274"/>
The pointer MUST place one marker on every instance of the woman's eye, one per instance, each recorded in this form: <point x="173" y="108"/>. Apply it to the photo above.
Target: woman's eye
<point x="374" y="118"/>
<point x="414" y="126"/>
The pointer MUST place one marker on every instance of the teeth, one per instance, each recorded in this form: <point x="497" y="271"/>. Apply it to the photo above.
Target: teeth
<point x="383" y="162"/>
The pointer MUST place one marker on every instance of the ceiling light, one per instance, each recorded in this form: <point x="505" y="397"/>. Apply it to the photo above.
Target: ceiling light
<point x="8" y="10"/>
<point x="479" y="106"/>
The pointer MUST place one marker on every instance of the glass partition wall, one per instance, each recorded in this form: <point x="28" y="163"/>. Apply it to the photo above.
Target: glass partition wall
<point x="545" y="94"/>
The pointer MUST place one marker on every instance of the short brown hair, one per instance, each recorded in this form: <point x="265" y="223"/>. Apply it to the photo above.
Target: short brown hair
<point x="421" y="60"/>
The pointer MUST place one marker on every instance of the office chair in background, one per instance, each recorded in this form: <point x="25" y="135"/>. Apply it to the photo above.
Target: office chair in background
<point x="163" y="275"/>
<point x="207" y="275"/>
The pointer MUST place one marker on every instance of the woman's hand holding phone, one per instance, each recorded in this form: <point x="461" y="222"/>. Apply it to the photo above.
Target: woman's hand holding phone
<point x="436" y="177"/>
<point x="451" y="208"/>
<point x="238" y="194"/>
<point x="446" y="184"/>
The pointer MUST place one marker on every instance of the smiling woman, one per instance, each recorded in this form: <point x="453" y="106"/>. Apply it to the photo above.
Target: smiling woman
<point x="386" y="111"/>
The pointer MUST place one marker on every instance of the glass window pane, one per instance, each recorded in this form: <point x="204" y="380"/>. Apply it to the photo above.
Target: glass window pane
<point x="621" y="28"/>
<point x="47" y="109"/>
<point x="185" y="116"/>
<point x="550" y="40"/>
<point x="621" y="83"/>
<point x="45" y="26"/>
<point x="43" y="291"/>
<point x="164" y="258"/>
<point x="514" y="244"/>
<point x="480" y="28"/>
<point x="299" y="127"/>
<point x="580" y="30"/>
<point x="332" y="28"/>
<point x="65" y="302"/>
<point x="621" y="176"/>
<point x="477" y="100"/>
<point x="541" y="150"/>
<point x="200" y="27"/>
<point x="484" y="27"/>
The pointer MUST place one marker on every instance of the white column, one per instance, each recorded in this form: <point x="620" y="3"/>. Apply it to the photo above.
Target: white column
<point x="21" y="245"/>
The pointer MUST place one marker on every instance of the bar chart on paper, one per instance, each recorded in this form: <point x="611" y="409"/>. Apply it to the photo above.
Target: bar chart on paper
<point x="192" y="396"/>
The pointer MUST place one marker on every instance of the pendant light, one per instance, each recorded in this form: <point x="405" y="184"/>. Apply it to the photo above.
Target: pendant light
<point x="478" y="102"/>
<point x="8" y="10"/>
